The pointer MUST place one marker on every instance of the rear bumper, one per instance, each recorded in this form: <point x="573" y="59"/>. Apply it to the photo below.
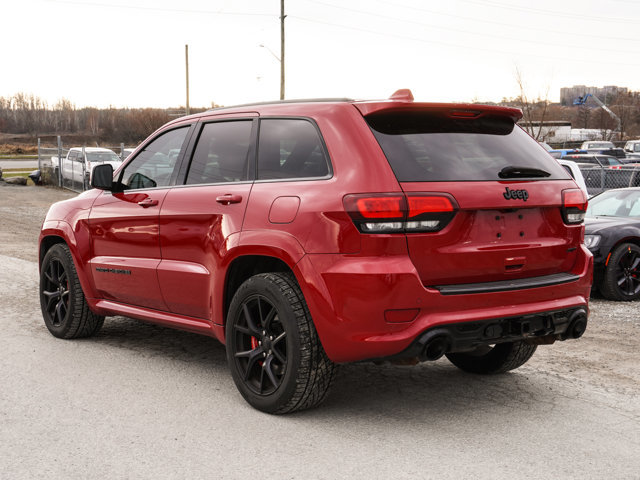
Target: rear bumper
<point x="376" y="307"/>
<point x="540" y="328"/>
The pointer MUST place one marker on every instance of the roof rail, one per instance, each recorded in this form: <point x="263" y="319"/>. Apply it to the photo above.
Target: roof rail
<point x="278" y="102"/>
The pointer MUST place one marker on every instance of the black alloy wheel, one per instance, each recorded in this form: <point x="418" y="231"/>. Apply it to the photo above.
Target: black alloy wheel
<point x="622" y="275"/>
<point x="64" y="306"/>
<point x="273" y="350"/>
<point x="55" y="290"/>
<point x="260" y="344"/>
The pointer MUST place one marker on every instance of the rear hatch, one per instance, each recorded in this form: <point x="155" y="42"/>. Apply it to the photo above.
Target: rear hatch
<point x="506" y="210"/>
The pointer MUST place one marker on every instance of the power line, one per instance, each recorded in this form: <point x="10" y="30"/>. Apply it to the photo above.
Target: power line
<point x="547" y="13"/>
<point x="520" y="27"/>
<point x="157" y="9"/>
<point x="447" y="44"/>
<point x="468" y="32"/>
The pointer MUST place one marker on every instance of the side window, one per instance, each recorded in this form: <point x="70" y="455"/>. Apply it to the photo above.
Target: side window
<point x="72" y="155"/>
<point x="221" y="153"/>
<point x="154" y="165"/>
<point x="290" y="148"/>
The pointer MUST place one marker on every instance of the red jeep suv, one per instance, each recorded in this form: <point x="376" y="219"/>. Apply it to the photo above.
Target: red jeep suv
<point x="310" y="233"/>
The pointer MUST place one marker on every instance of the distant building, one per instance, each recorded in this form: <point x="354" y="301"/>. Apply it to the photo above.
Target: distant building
<point x="550" y="130"/>
<point x="569" y="94"/>
<point x="557" y="132"/>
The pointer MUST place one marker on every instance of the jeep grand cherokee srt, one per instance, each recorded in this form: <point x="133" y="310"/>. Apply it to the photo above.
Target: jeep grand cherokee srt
<point x="307" y="234"/>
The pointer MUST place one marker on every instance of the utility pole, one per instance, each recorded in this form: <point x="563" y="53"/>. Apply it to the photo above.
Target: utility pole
<point x="282" y="17"/>
<point x="186" y="58"/>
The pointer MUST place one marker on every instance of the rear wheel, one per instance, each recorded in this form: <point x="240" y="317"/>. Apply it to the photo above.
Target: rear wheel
<point x="500" y="358"/>
<point x="622" y="274"/>
<point x="64" y="306"/>
<point x="273" y="349"/>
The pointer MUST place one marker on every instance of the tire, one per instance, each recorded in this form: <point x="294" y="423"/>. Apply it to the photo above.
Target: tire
<point x="497" y="359"/>
<point x="64" y="306"/>
<point x="622" y="274"/>
<point x="274" y="353"/>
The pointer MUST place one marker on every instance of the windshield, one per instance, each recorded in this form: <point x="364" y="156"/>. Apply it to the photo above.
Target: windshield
<point x="103" y="157"/>
<point x="423" y="147"/>
<point x="615" y="203"/>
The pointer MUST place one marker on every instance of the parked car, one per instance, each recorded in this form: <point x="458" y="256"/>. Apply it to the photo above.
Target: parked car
<point x="612" y="233"/>
<point x="126" y="152"/>
<point x="610" y="152"/>
<point x="80" y="162"/>
<point x="563" y="152"/>
<point x="632" y="149"/>
<point x="596" y="145"/>
<point x="594" y="159"/>
<point x="575" y="172"/>
<point x="602" y="172"/>
<point x="632" y="146"/>
<point x="307" y="234"/>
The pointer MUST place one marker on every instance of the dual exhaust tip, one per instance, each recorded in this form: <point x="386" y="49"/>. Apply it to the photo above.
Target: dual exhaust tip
<point x="436" y="343"/>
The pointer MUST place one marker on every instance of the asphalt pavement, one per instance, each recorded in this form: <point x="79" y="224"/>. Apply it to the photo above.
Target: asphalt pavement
<point x="26" y="164"/>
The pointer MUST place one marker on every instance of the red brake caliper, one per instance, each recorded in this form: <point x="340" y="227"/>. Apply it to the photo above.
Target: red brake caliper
<point x="254" y="345"/>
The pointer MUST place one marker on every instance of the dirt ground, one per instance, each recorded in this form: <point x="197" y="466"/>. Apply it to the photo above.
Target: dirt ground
<point x="573" y="411"/>
<point x="22" y="210"/>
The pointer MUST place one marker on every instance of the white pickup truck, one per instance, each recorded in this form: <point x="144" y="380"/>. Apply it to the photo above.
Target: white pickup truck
<point x="80" y="162"/>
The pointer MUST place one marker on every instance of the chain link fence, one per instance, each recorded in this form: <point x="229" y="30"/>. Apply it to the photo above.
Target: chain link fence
<point x="601" y="178"/>
<point x="70" y="167"/>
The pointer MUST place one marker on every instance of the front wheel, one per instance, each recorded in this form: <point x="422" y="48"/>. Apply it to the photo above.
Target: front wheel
<point x="622" y="274"/>
<point x="64" y="306"/>
<point x="274" y="353"/>
<point x="500" y="358"/>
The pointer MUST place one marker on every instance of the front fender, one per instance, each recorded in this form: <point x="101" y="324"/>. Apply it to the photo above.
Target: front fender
<point x="77" y="239"/>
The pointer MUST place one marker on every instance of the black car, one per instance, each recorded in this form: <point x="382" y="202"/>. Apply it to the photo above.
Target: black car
<point x="613" y="235"/>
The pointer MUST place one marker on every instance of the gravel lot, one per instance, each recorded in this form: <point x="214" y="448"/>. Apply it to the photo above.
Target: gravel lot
<point x="141" y="401"/>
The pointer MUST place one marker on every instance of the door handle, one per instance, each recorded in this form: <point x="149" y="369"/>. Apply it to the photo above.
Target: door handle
<point x="148" y="202"/>
<point x="228" y="199"/>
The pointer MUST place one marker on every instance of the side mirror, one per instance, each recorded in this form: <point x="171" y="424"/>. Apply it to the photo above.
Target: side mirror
<point x="102" y="177"/>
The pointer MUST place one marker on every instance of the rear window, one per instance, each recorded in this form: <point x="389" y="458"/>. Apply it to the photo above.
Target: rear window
<point x="423" y="147"/>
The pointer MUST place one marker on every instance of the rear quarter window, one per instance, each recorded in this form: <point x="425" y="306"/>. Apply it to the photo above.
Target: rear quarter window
<point x="423" y="147"/>
<point x="291" y="148"/>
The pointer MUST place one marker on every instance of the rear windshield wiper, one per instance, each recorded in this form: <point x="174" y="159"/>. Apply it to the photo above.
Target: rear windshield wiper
<point x="522" y="172"/>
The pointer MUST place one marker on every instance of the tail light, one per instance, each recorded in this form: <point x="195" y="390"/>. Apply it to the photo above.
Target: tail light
<point x="399" y="213"/>
<point x="574" y="205"/>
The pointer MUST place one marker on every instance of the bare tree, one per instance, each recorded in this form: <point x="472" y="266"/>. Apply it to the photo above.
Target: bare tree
<point x="534" y="111"/>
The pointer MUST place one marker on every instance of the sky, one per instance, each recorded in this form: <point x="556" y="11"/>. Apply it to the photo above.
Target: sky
<point x="131" y="53"/>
